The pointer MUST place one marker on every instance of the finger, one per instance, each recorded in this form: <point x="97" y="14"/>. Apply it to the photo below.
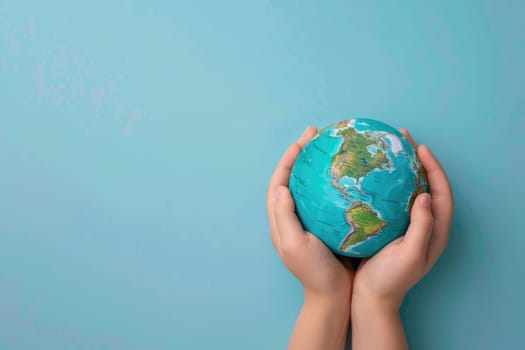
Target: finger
<point x="289" y="230"/>
<point x="442" y="202"/>
<point x="409" y="137"/>
<point x="282" y="171"/>
<point x="307" y="135"/>
<point x="281" y="175"/>
<point x="420" y="228"/>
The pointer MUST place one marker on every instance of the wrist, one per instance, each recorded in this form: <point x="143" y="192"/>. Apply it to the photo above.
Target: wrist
<point x="366" y="298"/>
<point x="370" y="307"/>
<point x="332" y="303"/>
<point x="339" y="292"/>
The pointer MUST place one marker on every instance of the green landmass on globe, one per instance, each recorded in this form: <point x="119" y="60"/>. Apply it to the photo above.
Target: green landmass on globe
<point x="354" y="185"/>
<point x="355" y="161"/>
<point x="353" y="158"/>
<point x="365" y="223"/>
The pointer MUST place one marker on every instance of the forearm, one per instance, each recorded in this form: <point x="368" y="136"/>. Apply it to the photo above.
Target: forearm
<point x="376" y="326"/>
<point x="322" y="324"/>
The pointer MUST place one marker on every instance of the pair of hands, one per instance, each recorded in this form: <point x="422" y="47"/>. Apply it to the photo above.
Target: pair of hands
<point x="383" y="279"/>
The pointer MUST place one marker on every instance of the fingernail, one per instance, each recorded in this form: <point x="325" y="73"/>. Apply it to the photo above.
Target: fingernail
<point x="424" y="146"/>
<point x="299" y="140"/>
<point x="424" y="200"/>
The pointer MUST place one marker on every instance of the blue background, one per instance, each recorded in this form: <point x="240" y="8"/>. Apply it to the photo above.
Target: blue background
<point x="137" y="138"/>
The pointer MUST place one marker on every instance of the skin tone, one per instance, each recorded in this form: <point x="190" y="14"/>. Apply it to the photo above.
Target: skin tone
<point x="371" y="295"/>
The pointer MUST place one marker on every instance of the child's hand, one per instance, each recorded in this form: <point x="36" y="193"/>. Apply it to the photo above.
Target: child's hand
<point x="389" y="274"/>
<point x="317" y="268"/>
<point x="382" y="281"/>
<point x="327" y="282"/>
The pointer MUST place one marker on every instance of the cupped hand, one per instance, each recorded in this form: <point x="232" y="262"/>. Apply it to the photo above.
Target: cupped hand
<point x="321" y="273"/>
<point x="387" y="276"/>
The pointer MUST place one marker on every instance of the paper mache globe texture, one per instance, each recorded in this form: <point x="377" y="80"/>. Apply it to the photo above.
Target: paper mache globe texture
<point x="354" y="184"/>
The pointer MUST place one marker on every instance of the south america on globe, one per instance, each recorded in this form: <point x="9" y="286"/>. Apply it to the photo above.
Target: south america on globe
<point x="354" y="184"/>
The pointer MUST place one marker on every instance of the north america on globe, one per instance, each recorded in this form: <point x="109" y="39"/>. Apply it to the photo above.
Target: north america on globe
<point x="354" y="184"/>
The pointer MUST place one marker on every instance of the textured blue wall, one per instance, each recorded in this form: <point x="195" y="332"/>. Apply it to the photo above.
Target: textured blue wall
<point x="137" y="138"/>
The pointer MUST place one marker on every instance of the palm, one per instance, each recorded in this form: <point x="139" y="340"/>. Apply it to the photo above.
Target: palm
<point x="327" y="271"/>
<point x="372" y="271"/>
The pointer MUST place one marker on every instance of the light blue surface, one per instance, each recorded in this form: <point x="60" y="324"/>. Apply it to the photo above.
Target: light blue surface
<point x="324" y="196"/>
<point x="137" y="138"/>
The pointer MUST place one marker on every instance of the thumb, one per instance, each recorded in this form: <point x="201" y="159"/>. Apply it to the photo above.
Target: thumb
<point x="289" y="228"/>
<point x="420" y="228"/>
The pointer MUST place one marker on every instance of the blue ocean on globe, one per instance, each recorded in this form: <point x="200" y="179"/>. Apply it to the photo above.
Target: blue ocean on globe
<point x="353" y="185"/>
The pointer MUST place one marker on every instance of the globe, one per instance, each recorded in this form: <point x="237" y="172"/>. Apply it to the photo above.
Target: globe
<point x="354" y="184"/>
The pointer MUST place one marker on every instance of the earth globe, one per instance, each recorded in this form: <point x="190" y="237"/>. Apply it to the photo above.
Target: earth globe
<point x="354" y="184"/>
